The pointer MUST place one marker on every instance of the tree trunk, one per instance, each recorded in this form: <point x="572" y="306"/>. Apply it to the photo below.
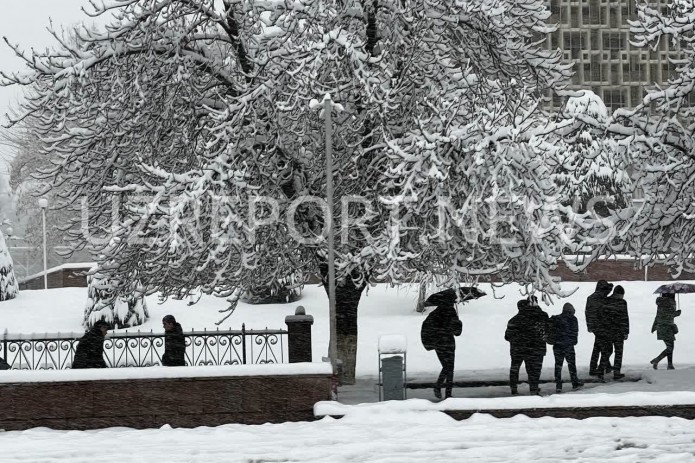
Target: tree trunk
<point x="347" y="299"/>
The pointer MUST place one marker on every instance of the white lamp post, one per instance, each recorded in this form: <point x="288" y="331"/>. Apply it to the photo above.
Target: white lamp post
<point x="43" y="204"/>
<point x="328" y="106"/>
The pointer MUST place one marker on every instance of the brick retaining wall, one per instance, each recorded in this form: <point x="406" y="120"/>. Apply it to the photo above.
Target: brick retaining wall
<point x="151" y="403"/>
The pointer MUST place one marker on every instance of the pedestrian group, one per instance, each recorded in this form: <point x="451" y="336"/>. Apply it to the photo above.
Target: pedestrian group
<point x="531" y="329"/>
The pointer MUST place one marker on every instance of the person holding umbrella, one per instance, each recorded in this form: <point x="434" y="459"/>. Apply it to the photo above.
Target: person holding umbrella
<point x="439" y="329"/>
<point x="665" y="327"/>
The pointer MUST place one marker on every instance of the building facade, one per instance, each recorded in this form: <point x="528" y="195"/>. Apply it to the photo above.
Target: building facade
<point x="595" y="36"/>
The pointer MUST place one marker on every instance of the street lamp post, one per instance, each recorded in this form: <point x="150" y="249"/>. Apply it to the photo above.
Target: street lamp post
<point x="43" y="204"/>
<point x="328" y="106"/>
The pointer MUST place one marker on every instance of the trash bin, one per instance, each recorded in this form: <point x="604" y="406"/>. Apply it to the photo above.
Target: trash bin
<point x="393" y="386"/>
<point x="392" y="371"/>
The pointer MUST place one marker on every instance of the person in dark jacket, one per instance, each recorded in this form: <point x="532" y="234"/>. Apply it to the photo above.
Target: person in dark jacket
<point x="526" y="333"/>
<point x="174" y="343"/>
<point x="595" y="304"/>
<point x="614" y="328"/>
<point x="566" y="330"/>
<point x="439" y="330"/>
<point x="89" y="352"/>
<point x="665" y="327"/>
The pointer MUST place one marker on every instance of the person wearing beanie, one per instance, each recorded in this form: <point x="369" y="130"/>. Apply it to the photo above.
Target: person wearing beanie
<point x="595" y="305"/>
<point x="614" y="329"/>
<point x="526" y="333"/>
<point x="565" y="331"/>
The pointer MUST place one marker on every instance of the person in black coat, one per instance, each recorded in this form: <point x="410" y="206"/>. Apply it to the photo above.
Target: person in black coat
<point x="566" y="329"/>
<point x="595" y="305"/>
<point x="614" y="329"/>
<point x="526" y="333"/>
<point x="174" y="343"/>
<point x="438" y="333"/>
<point x="90" y="349"/>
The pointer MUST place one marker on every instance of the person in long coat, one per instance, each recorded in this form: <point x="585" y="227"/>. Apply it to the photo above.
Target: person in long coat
<point x="174" y="343"/>
<point x="614" y="330"/>
<point x="526" y="333"/>
<point x="595" y="304"/>
<point x="89" y="352"/>
<point x="665" y="327"/>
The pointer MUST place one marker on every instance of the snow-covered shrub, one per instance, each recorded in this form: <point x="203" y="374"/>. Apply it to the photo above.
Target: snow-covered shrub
<point x="282" y="291"/>
<point x="8" y="283"/>
<point x="118" y="312"/>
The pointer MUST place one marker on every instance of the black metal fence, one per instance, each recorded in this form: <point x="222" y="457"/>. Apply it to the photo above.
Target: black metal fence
<point x="141" y="349"/>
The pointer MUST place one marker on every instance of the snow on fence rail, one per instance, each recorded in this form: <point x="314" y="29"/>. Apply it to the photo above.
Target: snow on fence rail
<point x="55" y="351"/>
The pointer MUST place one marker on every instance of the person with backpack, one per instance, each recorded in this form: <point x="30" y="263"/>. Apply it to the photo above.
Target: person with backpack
<point x="526" y="334"/>
<point x="438" y="331"/>
<point x="563" y="331"/>
<point x="615" y="324"/>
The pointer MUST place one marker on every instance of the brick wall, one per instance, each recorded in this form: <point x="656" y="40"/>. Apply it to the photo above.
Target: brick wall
<point x="151" y="403"/>
<point x="59" y="278"/>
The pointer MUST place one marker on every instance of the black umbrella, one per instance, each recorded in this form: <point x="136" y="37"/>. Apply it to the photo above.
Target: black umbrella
<point x="448" y="296"/>
<point x="676" y="288"/>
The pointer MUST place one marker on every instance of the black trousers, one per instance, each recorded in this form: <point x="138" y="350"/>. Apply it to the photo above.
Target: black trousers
<point x="596" y="354"/>
<point x="618" y="351"/>
<point x="446" y="377"/>
<point x="533" y="363"/>
<point x="563" y="353"/>
<point x="668" y="353"/>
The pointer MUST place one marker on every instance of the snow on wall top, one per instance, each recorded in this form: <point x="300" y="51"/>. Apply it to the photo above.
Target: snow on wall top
<point x="84" y="265"/>
<point x="157" y="372"/>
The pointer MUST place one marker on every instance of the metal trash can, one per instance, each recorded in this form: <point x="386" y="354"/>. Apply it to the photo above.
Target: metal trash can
<point x="392" y="384"/>
<point x="392" y="370"/>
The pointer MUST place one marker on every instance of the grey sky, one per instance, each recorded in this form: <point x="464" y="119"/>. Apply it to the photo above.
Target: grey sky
<point x="25" y="22"/>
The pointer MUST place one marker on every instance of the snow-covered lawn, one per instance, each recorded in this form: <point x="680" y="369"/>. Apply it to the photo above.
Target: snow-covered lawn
<point x="390" y="437"/>
<point x="481" y="352"/>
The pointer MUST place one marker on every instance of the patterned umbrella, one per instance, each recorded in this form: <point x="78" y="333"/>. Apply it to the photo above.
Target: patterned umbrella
<point x="676" y="288"/>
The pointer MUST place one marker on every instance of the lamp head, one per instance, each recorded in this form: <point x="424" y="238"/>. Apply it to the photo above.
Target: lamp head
<point x="43" y="203"/>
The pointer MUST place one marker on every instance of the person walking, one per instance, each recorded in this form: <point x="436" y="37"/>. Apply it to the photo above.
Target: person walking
<point x="526" y="334"/>
<point x="665" y="327"/>
<point x="174" y="343"/>
<point x="438" y="332"/>
<point x="595" y="304"/>
<point x="615" y="326"/>
<point x="89" y="352"/>
<point x="566" y="331"/>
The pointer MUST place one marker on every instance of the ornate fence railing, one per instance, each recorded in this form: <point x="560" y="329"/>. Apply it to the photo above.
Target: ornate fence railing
<point x="141" y="349"/>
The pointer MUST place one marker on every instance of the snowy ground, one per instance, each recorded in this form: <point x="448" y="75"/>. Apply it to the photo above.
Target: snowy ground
<point x="392" y="437"/>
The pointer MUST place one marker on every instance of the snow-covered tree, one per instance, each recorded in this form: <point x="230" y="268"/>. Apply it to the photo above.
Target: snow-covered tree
<point x="178" y="122"/>
<point x="591" y="167"/>
<point x="104" y="303"/>
<point x="659" y="136"/>
<point x="8" y="283"/>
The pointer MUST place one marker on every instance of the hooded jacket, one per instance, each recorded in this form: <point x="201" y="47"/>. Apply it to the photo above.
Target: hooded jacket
<point x="526" y="331"/>
<point x="90" y="350"/>
<point x="595" y="305"/>
<point x="174" y="347"/>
